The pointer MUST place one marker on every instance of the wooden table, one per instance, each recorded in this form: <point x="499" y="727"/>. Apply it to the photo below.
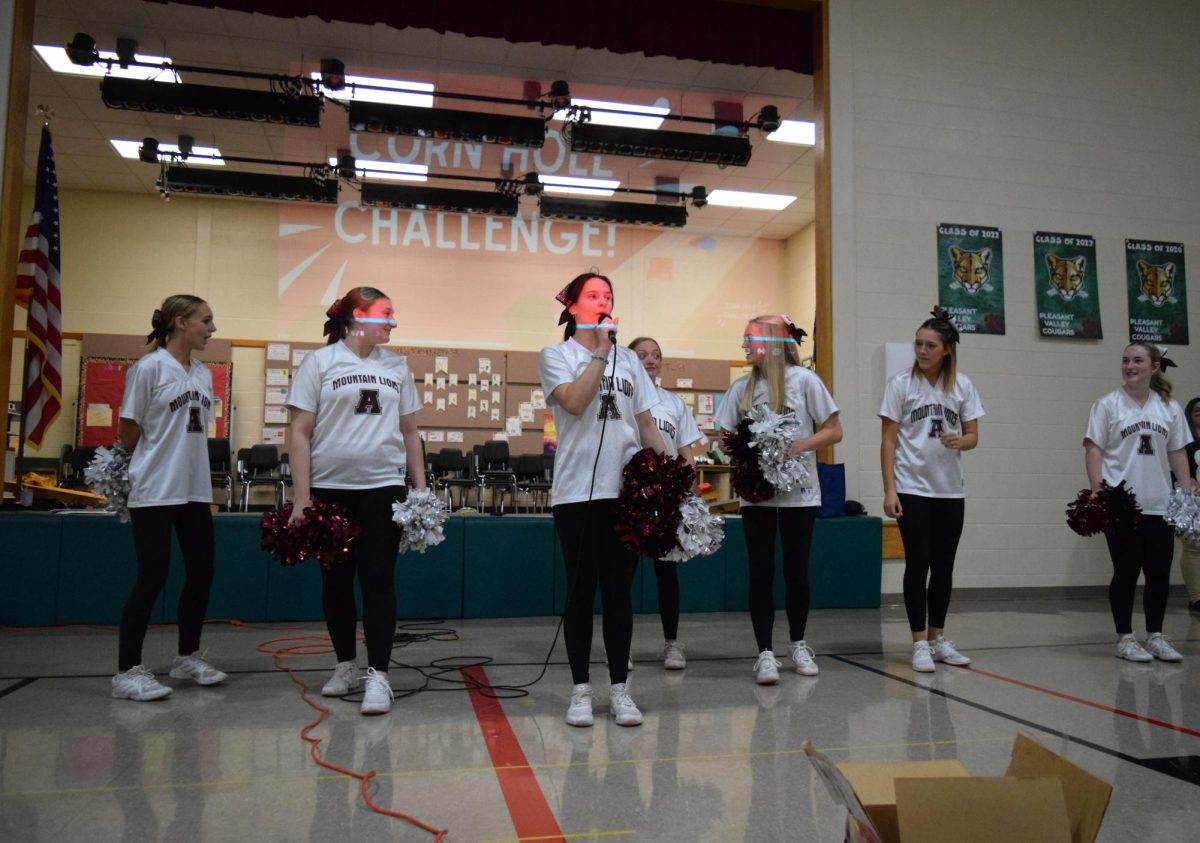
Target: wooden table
<point x="72" y="496"/>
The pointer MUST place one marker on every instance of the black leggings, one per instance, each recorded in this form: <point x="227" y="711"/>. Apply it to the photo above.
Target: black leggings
<point x="1147" y="549"/>
<point x="373" y="557"/>
<point x="930" y="529"/>
<point x="795" y="525"/>
<point x="593" y="555"/>
<point x="152" y="545"/>
<point x="667" y="574"/>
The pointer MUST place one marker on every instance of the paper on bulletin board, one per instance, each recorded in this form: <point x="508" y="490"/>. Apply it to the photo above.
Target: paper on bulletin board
<point x="689" y="398"/>
<point x="454" y="436"/>
<point x="452" y="399"/>
<point x="273" y="435"/>
<point x="218" y="407"/>
<point x="441" y="405"/>
<point x="538" y="399"/>
<point x="275" y="415"/>
<point x="495" y="414"/>
<point x="485" y="365"/>
<point x="212" y="430"/>
<point x="683" y="383"/>
<point x="495" y="397"/>
<point x="99" y="415"/>
<point x="277" y="377"/>
<point x="499" y="437"/>
<point x="429" y="378"/>
<point x="496" y="379"/>
<point x="472" y="395"/>
<point x="436" y="436"/>
<point x="441" y="364"/>
<point x="441" y="383"/>
<point x="453" y="379"/>
<point x="704" y="422"/>
<point x="298" y="355"/>
<point x="276" y="395"/>
<point x="484" y="405"/>
<point x="512" y="426"/>
<point x="278" y="351"/>
<point x="525" y="412"/>
<point x="428" y="397"/>
<point x="471" y="411"/>
<point x="472" y="379"/>
<point x="704" y="403"/>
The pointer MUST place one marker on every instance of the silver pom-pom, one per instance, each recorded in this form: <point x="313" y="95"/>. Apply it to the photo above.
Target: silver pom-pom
<point x="108" y="475"/>
<point x="700" y="533"/>
<point x="1183" y="513"/>
<point x="420" y="517"/>
<point x="773" y="434"/>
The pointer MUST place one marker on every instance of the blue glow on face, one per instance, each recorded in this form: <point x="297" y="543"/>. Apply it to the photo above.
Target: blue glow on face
<point x="374" y="320"/>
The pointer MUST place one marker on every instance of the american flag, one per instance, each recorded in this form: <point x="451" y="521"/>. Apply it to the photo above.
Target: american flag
<point x="39" y="290"/>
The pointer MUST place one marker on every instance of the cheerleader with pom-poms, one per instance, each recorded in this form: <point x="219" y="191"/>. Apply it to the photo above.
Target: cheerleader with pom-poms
<point x="353" y="441"/>
<point x="165" y="413"/>
<point x="779" y="386"/>
<point x="601" y="399"/>
<point x="679" y="434"/>
<point x="930" y="415"/>
<point x="1137" y="434"/>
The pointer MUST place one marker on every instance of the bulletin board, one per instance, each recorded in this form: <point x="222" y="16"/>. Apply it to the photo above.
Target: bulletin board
<point x="102" y="385"/>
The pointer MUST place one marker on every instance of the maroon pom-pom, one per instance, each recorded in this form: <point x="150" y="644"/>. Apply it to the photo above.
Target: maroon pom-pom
<point x="1109" y="509"/>
<point x="746" y="478"/>
<point x="325" y="534"/>
<point x="648" y="508"/>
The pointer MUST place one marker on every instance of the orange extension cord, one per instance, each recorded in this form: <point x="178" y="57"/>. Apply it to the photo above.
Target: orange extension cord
<point x="310" y="645"/>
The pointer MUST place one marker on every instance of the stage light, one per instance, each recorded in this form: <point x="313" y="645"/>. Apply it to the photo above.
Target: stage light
<point x="699" y="196"/>
<point x="446" y="124"/>
<point x="82" y="49"/>
<point x="148" y="151"/>
<point x="57" y="59"/>
<point x="333" y="74"/>
<point x="676" y="146"/>
<point x="126" y="51"/>
<point x="603" y="210"/>
<point x="210" y="101"/>
<point x="186" y="144"/>
<point x="560" y="94"/>
<point x="248" y="185"/>
<point x="438" y="199"/>
<point x="768" y="119"/>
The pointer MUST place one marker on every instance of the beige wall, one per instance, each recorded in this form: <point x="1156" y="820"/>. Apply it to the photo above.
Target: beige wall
<point x="122" y="253"/>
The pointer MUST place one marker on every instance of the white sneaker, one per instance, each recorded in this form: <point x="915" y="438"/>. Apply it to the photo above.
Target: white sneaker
<point x="802" y="656"/>
<point x="579" y="712"/>
<point x="943" y="651"/>
<point x="922" y="657"/>
<point x="622" y="706"/>
<point x="766" y="668"/>
<point x="673" y="656"/>
<point x="1159" y="646"/>
<point x="138" y="683"/>
<point x="197" y="669"/>
<point x="1129" y="649"/>
<point x="344" y="680"/>
<point x="377" y="693"/>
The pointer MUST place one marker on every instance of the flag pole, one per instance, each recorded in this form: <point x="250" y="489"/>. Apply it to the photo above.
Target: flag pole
<point x="45" y="112"/>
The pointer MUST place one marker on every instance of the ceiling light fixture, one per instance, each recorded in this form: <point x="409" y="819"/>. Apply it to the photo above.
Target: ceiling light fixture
<point x="795" y="131"/>
<point x="382" y="170"/>
<point x="571" y="184"/>
<point x="617" y="113"/>
<point x="377" y="89"/>
<point x="746" y="199"/>
<point x="207" y="156"/>
<point x="56" y="58"/>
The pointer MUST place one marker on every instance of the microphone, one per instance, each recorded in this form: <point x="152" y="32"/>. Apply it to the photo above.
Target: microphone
<point x="612" y="335"/>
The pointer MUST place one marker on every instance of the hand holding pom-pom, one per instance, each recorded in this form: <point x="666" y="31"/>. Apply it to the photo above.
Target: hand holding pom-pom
<point x="1108" y="509"/>
<point x="746" y="478"/>
<point x="325" y="534"/>
<point x="420" y="517"/>
<point x="648" y="514"/>
<point x="772" y="435"/>
<point x="699" y="533"/>
<point x="108" y="475"/>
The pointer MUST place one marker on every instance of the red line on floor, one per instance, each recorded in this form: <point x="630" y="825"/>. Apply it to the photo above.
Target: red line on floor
<point x="1063" y="696"/>
<point x="527" y="805"/>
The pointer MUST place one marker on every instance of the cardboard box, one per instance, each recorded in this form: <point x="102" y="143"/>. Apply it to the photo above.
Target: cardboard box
<point x="1041" y="797"/>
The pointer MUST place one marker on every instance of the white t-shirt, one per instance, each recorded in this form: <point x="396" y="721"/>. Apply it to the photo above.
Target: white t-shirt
<point x="356" y="441"/>
<point x="675" y="422"/>
<point x="806" y="396"/>
<point x="173" y="409"/>
<point x="1135" y="441"/>
<point x="620" y="398"/>
<point x="924" y="466"/>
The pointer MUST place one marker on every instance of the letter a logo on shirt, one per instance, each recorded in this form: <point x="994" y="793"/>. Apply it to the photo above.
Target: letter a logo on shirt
<point x="1144" y="445"/>
<point x="194" y="425"/>
<point x="608" y="408"/>
<point x="368" y="402"/>
<point x="936" y="428"/>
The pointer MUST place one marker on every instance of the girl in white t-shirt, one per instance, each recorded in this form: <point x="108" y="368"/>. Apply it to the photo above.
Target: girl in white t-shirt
<point x="930" y="416"/>
<point x="601" y="399"/>
<point x="679" y="433"/>
<point x="778" y="381"/>
<point x="165" y="413"/>
<point x="1138" y="434"/>
<point x="354" y="442"/>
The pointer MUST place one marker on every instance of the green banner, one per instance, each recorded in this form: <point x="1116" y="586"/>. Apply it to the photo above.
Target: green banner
<point x="1066" y="285"/>
<point x="971" y="277"/>
<point x="1157" y="292"/>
